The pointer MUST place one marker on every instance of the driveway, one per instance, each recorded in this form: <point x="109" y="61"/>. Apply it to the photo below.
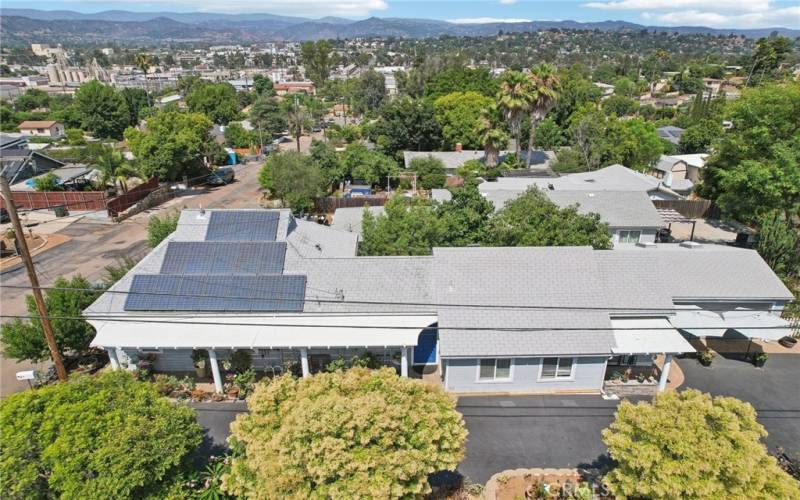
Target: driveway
<point x="772" y="390"/>
<point x="97" y="242"/>
<point x="509" y="432"/>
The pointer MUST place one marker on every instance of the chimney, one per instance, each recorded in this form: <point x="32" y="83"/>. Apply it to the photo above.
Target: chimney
<point x="458" y="147"/>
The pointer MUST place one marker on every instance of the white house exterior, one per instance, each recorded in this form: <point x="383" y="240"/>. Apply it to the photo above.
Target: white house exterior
<point x="47" y="128"/>
<point x="521" y="320"/>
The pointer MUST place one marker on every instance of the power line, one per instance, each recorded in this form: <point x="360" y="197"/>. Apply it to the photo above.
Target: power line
<point x="117" y="319"/>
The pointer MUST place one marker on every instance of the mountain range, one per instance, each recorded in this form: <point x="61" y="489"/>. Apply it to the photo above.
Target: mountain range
<point x="24" y="26"/>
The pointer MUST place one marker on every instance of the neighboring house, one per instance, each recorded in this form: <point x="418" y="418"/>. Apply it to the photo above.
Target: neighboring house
<point x="441" y="195"/>
<point x="631" y="216"/>
<point x="611" y="178"/>
<point x="72" y="176"/>
<point x="284" y="88"/>
<point x="13" y="141"/>
<point x="169" y="99"/>
<point x="350" y="218"/>
<point x="506" y="320"/>
<point x="452" y="160"/>
<point x="606" y="89"/>
<point x="673" y="168"/>
<point x="670" y="133"/>
<point x="22" y="164"/>
<point x="46" y="128"/>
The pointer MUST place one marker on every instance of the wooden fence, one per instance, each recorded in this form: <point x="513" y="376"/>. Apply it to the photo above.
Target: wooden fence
<point x="330" y="203"/>
<point x="123" y="202"/>
<point x="692" y="209"/>
<point x="73" y="200"/>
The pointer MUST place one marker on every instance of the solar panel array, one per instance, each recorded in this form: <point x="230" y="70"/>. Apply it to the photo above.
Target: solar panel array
<point x="196" y="257"/>
<point x="243" y="225"/>
<point x="169" y="292"/>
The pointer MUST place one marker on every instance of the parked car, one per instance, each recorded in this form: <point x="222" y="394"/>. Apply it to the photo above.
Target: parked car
<point x="221" y="176"/>
<point x="316" y="128"/>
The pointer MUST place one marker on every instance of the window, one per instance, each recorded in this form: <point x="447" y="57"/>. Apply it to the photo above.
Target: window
<point x="629" y="236"/>
<point x="622" y="361"/>
<point x="556" y="368"/>
<point x="494" y="369"/>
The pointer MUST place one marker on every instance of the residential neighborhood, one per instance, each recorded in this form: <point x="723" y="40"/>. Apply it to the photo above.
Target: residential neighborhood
<point x="395" y="251"/>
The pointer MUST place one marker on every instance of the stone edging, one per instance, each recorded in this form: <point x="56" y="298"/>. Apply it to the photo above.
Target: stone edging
<point x="490" y="491"/>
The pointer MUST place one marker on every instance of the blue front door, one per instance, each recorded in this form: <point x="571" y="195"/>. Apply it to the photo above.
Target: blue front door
<point x="425" y="350"/>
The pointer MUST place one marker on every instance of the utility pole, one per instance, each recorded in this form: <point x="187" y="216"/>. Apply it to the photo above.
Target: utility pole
<point x="37" y="291"/>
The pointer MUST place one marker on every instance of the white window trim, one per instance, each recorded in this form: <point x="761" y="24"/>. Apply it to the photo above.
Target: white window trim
<point x="571" y="377"/>
<point x="479" y="380"/>
<point x="619" y="236"/>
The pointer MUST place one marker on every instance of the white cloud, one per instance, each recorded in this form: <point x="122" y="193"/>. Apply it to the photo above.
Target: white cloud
<point x="713" y="13"/>
<point x="310" y="8"/>
<point x="508" y="2"/>
<point x="487" y="20"/>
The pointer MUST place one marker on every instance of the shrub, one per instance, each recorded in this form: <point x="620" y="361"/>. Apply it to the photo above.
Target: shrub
<point x="356" y="433"/>
<point x="94" y="437"/>
<point x="705" y="357"/>
<point x="159" y="228"/>
<point x="241" y="360"/>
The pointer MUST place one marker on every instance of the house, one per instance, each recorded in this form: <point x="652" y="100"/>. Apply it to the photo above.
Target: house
<point x="606" y="89"/>
<point x="46" y="128"/>
<point x="510" y="320"/>
<point x="349" y="218"/>
<point x="670" y="133"/>
<point x="674" y="168"/>
<point x="284" y="88"/>
<point x="13" y="141"/>
<point x="20" y="164"/>
<point x="452" y="160"/>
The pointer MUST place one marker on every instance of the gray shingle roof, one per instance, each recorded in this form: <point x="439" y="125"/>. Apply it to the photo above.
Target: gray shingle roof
<point x="349" y="218"/>
<point x="616" y="208"/>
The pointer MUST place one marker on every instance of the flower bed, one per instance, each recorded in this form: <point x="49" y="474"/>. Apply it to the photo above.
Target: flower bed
<point x="538" y="484"/>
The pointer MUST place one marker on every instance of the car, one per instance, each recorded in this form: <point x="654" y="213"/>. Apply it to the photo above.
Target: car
<point x="316" y="128"/>
<point x="221" y="176"/>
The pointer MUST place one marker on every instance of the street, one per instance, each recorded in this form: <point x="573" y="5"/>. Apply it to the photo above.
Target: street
<point x="97" y="242"/>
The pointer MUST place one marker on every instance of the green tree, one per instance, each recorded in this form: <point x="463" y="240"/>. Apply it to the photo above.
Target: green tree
<point x="618" y="105"/>
<point x="105" y="436"/>
<point x="137" y="101"/>
<point x="293" y="178"/>
<point x="102" y="109"/>
<point x="25" y="339"/>
<point x="690" y="445"/>
<point x="263" y="86"/>
<point x="357" y="432"/>
<point x="549" y="135"/>
<point x="372" y="167"/>
<point x="371" y="91"/>
<point x="237" y="137"/>
<point x="458" y="115"/>
<point x="173" y="144"/>
<point x="32" y="99"/>
<point x="533" y="220"/>
<point x="318" y="59"/>
<point x="493" y="138"/>
<point x="543" y="83"/>
<point x="605" y="73"/>
<point x="158" y="228"/>
<point x="430" y="172"/>
<point x="576" y="92"/>
<point x="755" y="168"/>
<point x="465" y="215"/>
<point x="698" y="138"/>
<point x="779" y="244"/>
<point x="47" y="182"/>
<point x="218" y="101"/>
<point x="298" y="120"/>
<point x="514" y="99"/>
<point x="266" y="114"/>
<point x="633" y="143"/>
<point x="324" y="155"/>
<point x="406" y="124"/>
<point x="407" y="227"/>
<point x="112" y="166"/>
<point x="461" y="79"/>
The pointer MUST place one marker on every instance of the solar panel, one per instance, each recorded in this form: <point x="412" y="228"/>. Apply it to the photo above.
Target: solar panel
<point x="169" y="292"/>
<point x="243" y="225"/>
<point x="197" y="257"/>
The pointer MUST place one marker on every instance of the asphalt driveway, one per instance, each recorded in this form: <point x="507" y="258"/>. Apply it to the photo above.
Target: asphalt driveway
<point x="774" y="391"/>
<point x="509" y="432"/>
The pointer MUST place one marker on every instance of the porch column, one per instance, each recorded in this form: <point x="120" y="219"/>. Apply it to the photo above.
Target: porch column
<point x="304" y="361"/>
<point x="662" y="382"/>
<point x="112" y="356"/>
<point x="404" y="362"/>
<point x="212" y="358"/>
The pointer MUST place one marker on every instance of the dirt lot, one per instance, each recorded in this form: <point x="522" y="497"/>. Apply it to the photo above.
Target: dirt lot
<point x="95" y="242"/>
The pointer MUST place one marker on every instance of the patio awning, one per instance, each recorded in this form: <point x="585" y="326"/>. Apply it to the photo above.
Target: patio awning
<point x="282" y="332"/>
<point x="740" y="323"/>
<point x="647" y="336"/>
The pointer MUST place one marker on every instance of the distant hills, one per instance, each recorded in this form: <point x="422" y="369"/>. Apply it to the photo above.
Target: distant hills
<point x="23" y="26"/>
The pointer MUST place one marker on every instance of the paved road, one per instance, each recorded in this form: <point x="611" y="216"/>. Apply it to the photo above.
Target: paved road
<point x="97" y="243"/>
<point x="772" y="390"/>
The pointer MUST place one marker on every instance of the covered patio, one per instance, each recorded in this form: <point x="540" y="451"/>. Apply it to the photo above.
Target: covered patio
<point x="311" y="340"/>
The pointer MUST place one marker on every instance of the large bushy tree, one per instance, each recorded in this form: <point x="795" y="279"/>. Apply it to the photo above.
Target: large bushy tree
<point x="318" y="60"/>
<point x="458" y="115"/>
<point x="106" y="436"/>
<point x="65" y="300"/>
<point x="293" y="178"/>
<point x="407" y="227"/>
<point x="532" y="220"/>
<point x="173" y="144"/>
<point x="406" y="123"/>
<point x="690" y="445"/>
<point x="218" y="101"/>
<point x="353" y="433"/>
<point x="461" y="79"/>
<point x="102" y="109"/>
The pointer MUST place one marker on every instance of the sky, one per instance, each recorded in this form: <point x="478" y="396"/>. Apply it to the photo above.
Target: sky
<point x="713" y="13"/>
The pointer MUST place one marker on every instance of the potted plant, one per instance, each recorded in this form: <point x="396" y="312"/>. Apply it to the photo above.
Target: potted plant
<point x="760" y="359"/>
<point x="200" y="359"/>
<point x="705" y="357"/>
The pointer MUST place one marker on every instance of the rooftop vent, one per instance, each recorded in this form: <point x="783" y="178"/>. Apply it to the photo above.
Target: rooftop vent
<point x="646" y="244"/>
<point x="202" y="213"/>
<point x="691" y="244"/>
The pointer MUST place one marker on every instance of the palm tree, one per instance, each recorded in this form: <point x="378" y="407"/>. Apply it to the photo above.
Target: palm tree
<point x="298" y="119"/>
<point x="113" y="168"/>
<point x="543" y="82"/>
<point x="143" y="63"/>
<point x="493" y="139"/>
<point x="514" y="99"/>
